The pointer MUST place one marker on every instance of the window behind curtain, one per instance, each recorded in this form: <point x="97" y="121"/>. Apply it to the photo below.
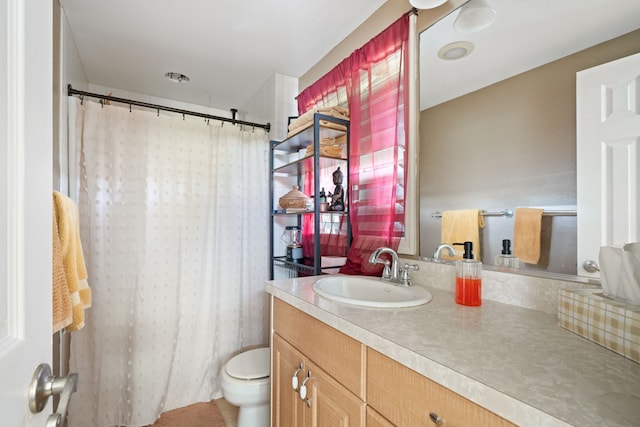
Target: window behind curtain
<point x="373" y="82"/>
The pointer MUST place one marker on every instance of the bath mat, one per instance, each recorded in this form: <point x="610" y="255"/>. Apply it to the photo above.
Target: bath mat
<point x="205" y="414"/>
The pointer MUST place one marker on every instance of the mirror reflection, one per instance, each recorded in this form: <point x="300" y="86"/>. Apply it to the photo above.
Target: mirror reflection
<point x="498" y="126"/>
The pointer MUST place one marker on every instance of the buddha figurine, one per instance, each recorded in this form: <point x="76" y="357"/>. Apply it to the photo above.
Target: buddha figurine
<point x="337" y="197"/>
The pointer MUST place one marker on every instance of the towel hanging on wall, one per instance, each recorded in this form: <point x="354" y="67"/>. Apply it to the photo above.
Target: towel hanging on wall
<point x="69" y="255"/>
<point x="61" y="304"/>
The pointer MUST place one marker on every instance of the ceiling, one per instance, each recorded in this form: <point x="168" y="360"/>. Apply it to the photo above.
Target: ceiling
<point x="525" y="34"/>
<point x="230" y="49"/>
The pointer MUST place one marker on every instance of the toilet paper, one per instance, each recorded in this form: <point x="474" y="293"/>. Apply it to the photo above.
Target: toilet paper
<point x="620" y="272"/>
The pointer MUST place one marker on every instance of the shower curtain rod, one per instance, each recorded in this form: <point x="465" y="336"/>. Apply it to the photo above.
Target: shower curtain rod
<point x="72" y="91"/>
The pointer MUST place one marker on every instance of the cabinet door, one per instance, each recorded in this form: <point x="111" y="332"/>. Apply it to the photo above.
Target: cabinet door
<point x="339" y="355"/>
<point x="330" y="404"/>
<point x="286" y="406"/>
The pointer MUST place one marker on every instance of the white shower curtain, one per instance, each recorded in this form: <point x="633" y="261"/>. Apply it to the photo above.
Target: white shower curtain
<point x="173" y="215"/>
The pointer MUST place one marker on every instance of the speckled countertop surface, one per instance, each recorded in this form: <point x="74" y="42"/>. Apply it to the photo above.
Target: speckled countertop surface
<point x="514" y="361"/>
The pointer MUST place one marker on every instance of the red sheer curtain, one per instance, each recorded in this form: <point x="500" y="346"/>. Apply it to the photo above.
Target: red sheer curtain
<point x="372" y="81"/>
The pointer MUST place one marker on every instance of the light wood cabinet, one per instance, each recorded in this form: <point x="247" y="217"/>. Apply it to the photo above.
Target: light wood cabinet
<point x="322" y="361"/>
<point x="351" y="385"/>
<point x="286" y="406"/>
<point x="407" y="398"/>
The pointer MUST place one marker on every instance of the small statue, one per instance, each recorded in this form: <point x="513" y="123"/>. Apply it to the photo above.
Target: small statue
<point x="337" y="198"/>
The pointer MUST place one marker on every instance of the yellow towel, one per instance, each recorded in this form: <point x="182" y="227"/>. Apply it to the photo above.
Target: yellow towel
<point x="461" y="226"/>
<point x="526" y="234"/>
<point x="61" y="301"/>
<point x="75" y="270"/>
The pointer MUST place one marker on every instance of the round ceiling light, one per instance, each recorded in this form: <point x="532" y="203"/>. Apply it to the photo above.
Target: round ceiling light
<point x="475" y="16"/>
<point x="426" y="4"/>
<point x="177" y="77"/>
<point x="455" y="50"/>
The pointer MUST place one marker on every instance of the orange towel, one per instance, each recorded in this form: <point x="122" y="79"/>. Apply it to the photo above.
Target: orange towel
<point x="526" y="234"/>
<point x="61" y="300"/>
<point x="66" y="213"/>
<point x="461" y="226"/>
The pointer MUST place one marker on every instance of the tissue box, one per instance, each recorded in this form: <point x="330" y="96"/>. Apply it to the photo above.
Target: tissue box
<point x="620" y="272"/>
<point x="609" y="323"/>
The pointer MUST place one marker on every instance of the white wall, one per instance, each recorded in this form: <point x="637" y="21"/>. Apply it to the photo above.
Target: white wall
<point x="274" y="102"/>
<point x="71" y="72"/>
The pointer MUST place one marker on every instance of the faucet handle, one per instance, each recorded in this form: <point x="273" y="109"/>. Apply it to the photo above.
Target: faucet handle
<point x="414" y="267"/>
<point x="405" y="272"/>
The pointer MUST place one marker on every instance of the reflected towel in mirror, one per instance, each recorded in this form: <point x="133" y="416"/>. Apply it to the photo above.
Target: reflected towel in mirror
<point x="526" y="234"/>
<point x="459" y="226"/>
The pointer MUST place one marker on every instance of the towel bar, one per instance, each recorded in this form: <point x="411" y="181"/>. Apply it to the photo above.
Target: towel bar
<point x="505" y="212"/>
<point x="559" y="213"/>
<point x="509" y="213"/>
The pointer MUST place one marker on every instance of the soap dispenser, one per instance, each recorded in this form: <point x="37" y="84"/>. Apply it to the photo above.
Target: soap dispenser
<point x="506" y="259"/>
<point x="468" y="280"/>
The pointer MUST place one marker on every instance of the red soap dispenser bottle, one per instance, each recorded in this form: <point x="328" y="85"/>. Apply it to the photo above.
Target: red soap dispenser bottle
<point x="468" y="278"/>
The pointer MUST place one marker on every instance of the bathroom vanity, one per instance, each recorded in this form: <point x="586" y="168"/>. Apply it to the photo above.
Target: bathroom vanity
<point x="438" y="364"/>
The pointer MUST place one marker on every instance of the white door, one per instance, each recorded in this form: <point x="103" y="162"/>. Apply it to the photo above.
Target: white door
<point x="25" y="203"/>
<point x="608" y="155"/>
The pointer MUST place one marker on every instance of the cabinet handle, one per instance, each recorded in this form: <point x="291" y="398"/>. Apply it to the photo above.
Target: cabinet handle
<point x="435" y="418"/>
<point x="294" y="378"/>
<point x="303" y="390"/>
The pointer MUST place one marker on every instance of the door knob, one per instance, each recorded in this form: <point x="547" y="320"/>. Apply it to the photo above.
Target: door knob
<point x="590" y="266"/>
<point x="44" y="385"/>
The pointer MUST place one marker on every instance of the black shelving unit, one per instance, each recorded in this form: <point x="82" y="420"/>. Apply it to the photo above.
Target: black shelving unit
<point x="288" y="167"/>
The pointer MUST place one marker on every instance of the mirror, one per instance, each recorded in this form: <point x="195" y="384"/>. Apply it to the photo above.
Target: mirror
<point x="497" y="127"/>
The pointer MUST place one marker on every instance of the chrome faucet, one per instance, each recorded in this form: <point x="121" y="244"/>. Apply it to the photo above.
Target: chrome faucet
<point x="392" y="273"/>
<point x="449" y="248"/>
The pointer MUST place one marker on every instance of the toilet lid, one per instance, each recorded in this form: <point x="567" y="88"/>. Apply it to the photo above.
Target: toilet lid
<point x="249" y="365"/>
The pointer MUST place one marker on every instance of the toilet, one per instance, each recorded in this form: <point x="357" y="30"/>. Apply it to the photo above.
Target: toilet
<point x="246" y="384"/>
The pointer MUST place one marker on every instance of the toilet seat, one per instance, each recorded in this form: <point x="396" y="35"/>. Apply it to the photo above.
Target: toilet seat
<point x="250" y="365"/>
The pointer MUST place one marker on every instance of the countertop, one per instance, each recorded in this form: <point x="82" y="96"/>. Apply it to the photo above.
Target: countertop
<point x="514" y="361"/>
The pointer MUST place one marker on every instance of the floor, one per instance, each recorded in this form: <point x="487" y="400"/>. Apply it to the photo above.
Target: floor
<point x="228" y="411"/>
<point x="200" y="415"/>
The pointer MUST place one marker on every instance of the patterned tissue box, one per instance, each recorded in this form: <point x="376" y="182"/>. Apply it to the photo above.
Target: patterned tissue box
<point x="609" y="323"/>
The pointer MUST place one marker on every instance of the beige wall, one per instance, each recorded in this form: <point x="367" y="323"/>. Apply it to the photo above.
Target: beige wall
<point x="381" y="19"/>
<point x="508" y="145"/>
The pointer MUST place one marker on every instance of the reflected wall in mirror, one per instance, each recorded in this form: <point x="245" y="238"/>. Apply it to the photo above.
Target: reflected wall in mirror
<point x="491" y="142"/>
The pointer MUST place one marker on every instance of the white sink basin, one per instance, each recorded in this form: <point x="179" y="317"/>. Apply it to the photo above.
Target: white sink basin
<point x="370" y="292"/>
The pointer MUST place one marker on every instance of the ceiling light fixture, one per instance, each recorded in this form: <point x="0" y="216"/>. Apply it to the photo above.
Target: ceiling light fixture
<point x="475" y="16"/>
<point x="177" y="77"/>
<point x="426" y="4"/>
<point x="455" y="50"/>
